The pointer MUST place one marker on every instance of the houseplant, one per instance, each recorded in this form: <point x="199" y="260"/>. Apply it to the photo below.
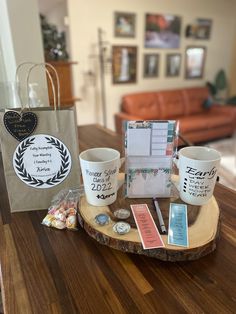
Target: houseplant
<point x="218" y="89"/>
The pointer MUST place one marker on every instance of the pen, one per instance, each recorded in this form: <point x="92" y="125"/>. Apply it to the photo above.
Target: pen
<point x="159" y="214"/>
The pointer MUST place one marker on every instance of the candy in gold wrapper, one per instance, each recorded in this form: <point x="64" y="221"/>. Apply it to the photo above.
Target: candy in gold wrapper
<point x="47" y="221"/>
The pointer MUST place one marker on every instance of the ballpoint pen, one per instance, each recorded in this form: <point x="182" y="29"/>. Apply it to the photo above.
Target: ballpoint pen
<point x="159" y="214"/>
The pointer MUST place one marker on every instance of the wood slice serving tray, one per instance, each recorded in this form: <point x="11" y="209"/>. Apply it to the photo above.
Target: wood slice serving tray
<point x="203" y="228"/>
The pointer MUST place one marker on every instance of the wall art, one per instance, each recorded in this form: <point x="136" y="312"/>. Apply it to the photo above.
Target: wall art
<point x="194" y="62"/>
<point x="124" y="24"/>
<point x="162" y="31"/>
<point x="150" y="65"/>
<point x="201" y="29"/>
<point x="124" y="64"/>
<point x="173" y="64"/>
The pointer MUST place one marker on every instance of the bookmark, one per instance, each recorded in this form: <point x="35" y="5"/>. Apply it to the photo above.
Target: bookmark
<point x="178" y="225"/>
<point x="147" y="228"/>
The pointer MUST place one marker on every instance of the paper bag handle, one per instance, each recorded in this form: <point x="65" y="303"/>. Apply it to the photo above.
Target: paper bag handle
<point x="17" y="79"/>
<point x="45" y="65"/>
<point x="33" y="65"/>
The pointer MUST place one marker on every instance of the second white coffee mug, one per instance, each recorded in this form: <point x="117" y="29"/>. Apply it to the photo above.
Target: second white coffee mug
<point x="100" y="168"/>
<point x="198" y="166"/>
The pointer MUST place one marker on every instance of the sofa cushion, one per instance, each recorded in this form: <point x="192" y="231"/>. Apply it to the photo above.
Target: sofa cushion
<point x="204" y="121"/>
<point x="145" y="105"/>
<point x="194" y="99"/>
<point x="172" y="104"/>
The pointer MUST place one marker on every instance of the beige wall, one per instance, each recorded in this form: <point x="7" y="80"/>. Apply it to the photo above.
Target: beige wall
<point x="232" y="73"/>
<point x="87" y="16"/>
<point x="20" y="34"/>
<point x="20" y="37"/>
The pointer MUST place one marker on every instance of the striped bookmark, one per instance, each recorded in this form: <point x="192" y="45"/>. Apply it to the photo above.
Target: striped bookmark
<point x="147" y="228"/>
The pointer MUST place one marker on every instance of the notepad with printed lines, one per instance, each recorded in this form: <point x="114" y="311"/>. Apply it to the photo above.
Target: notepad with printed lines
<point x="149" y="149"/>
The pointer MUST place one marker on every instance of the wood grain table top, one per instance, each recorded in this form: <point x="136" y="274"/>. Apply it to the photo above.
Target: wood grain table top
<point x="44" y="270"/>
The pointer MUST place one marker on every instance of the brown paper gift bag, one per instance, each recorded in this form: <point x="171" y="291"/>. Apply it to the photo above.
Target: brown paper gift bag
<point x="40" y="164"/>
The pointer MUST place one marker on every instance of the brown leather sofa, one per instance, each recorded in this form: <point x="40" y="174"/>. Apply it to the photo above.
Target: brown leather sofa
<point x="197" y="124"/>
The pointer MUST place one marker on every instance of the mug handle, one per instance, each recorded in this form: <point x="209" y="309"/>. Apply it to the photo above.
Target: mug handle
<point x="175" y="178"/>
<point x="121" y="176"/>
<point x="122" y="160"/>
<point x="176" y="160"/>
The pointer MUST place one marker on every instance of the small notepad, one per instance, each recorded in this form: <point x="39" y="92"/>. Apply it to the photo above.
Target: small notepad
<point x="137" y="136"/>
<point x="149" y="150"/>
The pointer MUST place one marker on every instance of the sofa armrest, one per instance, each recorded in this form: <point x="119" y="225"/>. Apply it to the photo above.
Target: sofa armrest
<point x="122" y="116"/>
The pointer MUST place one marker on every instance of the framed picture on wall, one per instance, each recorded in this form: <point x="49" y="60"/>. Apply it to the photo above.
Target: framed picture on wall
<point x="200" y="30"/>
<point x="150" y="65"/>
<point x="124" y="64"/>
<point x="203" y="28"/>
<point x="124" y="24"/>
<point x="194" y="62"/>
<point x="162" y="31"/>
<point x="173" y="64"/>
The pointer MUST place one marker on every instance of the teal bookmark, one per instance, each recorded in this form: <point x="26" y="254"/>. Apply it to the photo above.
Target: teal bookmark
<point x="178" y="225"/>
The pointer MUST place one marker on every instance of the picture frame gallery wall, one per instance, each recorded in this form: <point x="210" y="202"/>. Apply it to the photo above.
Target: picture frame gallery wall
<point x="162" y="33"/>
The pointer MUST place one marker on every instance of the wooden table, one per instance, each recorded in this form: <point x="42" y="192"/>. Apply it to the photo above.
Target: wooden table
<point x="44" y="270"/>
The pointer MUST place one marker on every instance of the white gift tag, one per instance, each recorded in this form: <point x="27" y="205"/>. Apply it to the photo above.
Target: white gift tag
<point x="42" y="161"/>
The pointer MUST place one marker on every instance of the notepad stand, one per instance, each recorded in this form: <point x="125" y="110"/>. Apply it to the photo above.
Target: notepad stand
<point x="149" y="147"/>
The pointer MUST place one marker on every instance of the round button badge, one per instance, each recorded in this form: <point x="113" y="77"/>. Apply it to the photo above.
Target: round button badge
<point x="102" y="219"/>
<point x="121" y="213"/>
<point x="121" y="227"/>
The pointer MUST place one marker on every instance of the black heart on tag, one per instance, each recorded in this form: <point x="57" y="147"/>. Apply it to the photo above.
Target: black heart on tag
<point x="20" y="126"/>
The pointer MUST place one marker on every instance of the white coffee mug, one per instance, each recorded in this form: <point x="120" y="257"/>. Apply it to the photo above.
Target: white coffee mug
<point x="100" y="168"/>
<point x="198" y="166"/>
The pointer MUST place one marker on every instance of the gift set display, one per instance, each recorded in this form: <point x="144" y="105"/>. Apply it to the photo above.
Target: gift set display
<point x="155" y="213"/>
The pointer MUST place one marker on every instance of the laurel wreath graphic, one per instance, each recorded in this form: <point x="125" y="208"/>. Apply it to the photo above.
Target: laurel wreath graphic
<point x="64" y="161"/>
<point x="37" y="182"/>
